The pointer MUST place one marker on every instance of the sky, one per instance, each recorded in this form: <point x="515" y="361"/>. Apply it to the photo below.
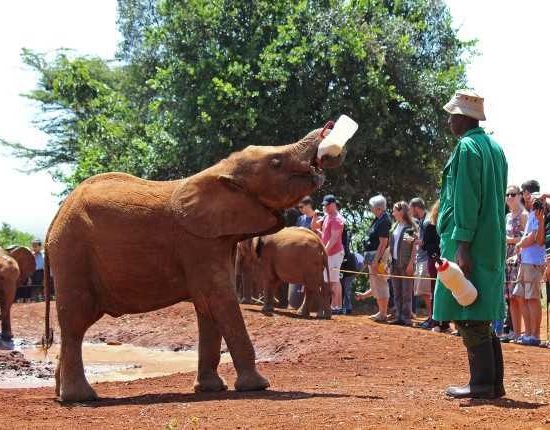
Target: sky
<point x="511" y="72"/>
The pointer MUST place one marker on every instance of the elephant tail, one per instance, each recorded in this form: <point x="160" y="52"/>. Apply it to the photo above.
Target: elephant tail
<point x="47" y="339"/>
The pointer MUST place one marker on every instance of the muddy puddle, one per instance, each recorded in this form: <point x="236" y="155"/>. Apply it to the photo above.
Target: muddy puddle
<point x="25" y="366"/>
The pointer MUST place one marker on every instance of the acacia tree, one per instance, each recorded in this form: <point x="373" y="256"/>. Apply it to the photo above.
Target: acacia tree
<point x="199" y="79"/>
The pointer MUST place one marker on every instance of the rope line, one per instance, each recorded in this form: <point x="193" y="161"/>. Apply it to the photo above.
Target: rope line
<point x="408" y="277"/>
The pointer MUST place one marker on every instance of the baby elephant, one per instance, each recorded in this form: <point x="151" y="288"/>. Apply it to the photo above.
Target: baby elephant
<point x="295" y="255"/>
<point x="16" y="265"/>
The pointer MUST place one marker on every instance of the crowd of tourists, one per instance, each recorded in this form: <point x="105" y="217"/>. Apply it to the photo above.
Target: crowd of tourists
<point x="399" y="253"/>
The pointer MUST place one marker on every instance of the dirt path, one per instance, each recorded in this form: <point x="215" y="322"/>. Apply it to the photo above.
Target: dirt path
<point x="348" y="372"/>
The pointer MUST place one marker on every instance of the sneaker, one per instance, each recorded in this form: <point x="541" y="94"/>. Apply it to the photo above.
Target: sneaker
<point x="380" y="319"/>
<point x="436" y="329"/>
<point x="529" y="341"/>
<point x="427" y="325"/>
<point x="397" y="322"/>
<point x="534" y="341"/>
<point x="374" y="316"/>
<point x="506" y="338"/>
<point x="521" y="339"/>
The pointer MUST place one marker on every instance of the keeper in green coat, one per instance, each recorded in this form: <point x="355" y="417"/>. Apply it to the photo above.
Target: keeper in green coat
<point x="471" y="225"/>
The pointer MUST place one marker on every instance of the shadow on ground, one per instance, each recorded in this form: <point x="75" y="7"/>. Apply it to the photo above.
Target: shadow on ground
<point x="164" y="398"/>
<point x="503" y="403"/>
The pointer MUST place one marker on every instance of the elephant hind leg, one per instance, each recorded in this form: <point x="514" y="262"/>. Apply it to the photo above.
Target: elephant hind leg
<point x="77" y="311"/>
<point x="210" y="340"/>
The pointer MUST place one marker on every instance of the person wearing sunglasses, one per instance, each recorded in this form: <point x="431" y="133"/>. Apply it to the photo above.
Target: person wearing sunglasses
<point x="472" y="228"/>
<point x="516" y="220"/>
<point x="532" y="267"/>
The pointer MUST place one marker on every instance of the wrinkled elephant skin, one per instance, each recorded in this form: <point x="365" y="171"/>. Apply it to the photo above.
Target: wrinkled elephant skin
<point x="120" y="244"/>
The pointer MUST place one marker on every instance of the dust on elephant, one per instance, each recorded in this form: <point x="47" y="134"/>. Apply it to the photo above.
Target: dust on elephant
<point x="294" y="255"/>
<point x="16" y="265"/>
<point x="120" y="245"/>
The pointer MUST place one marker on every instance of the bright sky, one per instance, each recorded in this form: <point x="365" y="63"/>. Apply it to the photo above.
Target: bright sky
<point x="510" y="72"/>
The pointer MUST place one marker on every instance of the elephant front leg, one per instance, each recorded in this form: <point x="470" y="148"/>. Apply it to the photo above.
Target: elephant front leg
<point x="8" y="297"/>
<point x="6" y="324"/>
<point x="209" y="356"/>
<point x="228" y="317"/>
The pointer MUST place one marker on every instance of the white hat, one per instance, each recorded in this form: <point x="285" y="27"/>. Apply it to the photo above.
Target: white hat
<point x="468" y="103"/>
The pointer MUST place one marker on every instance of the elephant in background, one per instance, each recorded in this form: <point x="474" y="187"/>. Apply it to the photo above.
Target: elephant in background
<point x="121" y="244"/>
<point x="294" y="254"/>
<point x="16" y="265"/>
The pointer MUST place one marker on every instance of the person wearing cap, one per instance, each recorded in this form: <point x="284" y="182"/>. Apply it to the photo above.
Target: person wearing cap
<point x="531" y="269"/>
<point x="472" y="230"/>
<point x="331" y="235"/>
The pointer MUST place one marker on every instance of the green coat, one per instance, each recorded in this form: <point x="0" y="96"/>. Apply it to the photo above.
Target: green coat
<point x="472" y="210"/>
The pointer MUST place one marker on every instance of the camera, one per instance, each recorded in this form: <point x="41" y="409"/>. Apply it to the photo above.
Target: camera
<point x="538" y="205"/>
<point x="539" y="202"/>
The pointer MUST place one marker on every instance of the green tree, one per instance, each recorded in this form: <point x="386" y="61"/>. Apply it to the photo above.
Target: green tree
<point x="11" y="236"/>
<point x="199" y="79"/>
<point x="88" y="117"/>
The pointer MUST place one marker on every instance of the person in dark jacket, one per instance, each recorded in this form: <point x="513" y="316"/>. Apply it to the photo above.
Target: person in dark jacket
<point x="430" y="244"/>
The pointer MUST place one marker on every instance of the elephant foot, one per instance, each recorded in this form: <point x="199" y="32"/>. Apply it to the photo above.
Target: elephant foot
<point x="251" y="380"/>
<point x="209" y="383"/>
<point x="81" y="392"/>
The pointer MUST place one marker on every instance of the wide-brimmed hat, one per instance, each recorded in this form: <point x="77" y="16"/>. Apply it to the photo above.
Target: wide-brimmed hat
<point x="468" y="103"/>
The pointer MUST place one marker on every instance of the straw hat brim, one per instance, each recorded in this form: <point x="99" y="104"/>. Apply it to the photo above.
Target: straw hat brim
<point x="455" y="109"/>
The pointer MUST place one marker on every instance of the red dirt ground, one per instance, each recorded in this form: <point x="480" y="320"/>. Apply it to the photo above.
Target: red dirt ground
<point x="348" y="372"/>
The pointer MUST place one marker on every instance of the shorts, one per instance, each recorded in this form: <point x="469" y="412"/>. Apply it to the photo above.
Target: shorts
<point x="529" y="281"/>
<point x="378" y="284"/>
<point x="334" y="263"/>
<point x="422" y="287"/>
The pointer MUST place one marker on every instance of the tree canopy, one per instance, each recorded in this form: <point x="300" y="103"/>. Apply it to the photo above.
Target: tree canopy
<point x="198" y="79"/>
<point x="11" y="236"/>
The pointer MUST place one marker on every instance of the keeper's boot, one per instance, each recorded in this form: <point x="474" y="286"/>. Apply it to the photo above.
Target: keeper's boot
<point x="499" y="367"/>
<point x="482" y="374"/>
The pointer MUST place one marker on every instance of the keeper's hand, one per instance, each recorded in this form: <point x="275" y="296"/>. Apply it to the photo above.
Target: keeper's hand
<point x="463" y="258"/>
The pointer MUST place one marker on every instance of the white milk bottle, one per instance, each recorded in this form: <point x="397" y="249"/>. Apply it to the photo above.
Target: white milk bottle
<point x="334" y="142"/>
<point x="453" y="278"/>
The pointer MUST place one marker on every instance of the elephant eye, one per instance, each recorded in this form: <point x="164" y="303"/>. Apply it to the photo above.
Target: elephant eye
<point x="276" y="163"/>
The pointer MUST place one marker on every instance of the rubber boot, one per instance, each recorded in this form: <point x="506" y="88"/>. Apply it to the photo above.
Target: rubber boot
<point x="499" y="367"/>
<point x="482" y="374"/>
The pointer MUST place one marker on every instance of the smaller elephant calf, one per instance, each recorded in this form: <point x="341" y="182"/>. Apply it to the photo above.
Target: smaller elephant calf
<point x="294" y="255"/>
<point x="16" y="265"/>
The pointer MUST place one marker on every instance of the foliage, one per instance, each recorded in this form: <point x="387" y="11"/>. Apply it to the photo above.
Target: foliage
<point x="199" y="79"/>
<point x="11" y="236"/>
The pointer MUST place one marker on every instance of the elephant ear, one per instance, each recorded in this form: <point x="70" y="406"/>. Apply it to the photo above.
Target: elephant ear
<point x="25" y="261"/>
<point x="216" y="206"/>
